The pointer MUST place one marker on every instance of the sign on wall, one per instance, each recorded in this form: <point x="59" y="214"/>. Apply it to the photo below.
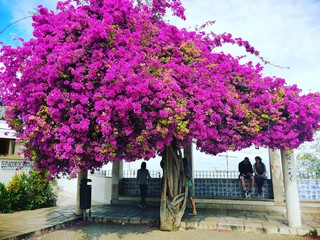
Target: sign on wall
<point x="15" y="165"/>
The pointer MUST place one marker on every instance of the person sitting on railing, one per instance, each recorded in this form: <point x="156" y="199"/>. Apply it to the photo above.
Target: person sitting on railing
<point x="259" y="170"/>
<point x="246" y="172"/>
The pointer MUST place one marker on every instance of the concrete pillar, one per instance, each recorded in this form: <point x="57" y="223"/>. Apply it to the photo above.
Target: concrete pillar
<point x="117" y="175"/>
<point x="276" y="177"/>
<point x="188" y="152"/>
<point x="291" y="189"/>
<point x="79" y="178"/>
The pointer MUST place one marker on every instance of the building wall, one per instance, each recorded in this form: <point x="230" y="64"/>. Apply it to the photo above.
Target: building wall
<point x="101" y="187"/>
<point x="11" y="166"/>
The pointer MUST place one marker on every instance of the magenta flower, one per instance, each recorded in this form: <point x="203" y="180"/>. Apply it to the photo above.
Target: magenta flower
<point x="109" y="81"/>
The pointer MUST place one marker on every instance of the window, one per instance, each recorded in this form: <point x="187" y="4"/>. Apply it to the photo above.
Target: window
<point x="6" y="147"/>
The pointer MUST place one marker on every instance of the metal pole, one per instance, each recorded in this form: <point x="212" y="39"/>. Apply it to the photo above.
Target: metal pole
<point x="227" y="160"/>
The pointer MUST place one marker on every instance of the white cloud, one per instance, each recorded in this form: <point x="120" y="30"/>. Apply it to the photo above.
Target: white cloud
<point x="285" y="32"/>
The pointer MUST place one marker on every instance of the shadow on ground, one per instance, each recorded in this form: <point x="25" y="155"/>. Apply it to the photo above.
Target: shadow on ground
<point x="103" y="231"/>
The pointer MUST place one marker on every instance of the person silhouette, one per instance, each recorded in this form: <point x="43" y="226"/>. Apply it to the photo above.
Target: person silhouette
<point x="188" y="175"/>
<point x="143" y="177"/>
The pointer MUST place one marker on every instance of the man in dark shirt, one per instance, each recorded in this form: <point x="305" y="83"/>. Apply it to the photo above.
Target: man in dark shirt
<point x="246" y="172"/>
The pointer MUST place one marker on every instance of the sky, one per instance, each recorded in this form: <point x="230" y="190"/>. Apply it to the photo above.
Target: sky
<point x="285" y="32"/>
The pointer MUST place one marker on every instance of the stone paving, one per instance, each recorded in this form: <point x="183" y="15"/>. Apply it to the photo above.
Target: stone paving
<point x="25" y="224"/>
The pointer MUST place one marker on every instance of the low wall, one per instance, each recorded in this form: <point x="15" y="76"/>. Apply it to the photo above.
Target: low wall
<point x="130" y="187"/>
<point x="221" y="188"/>
<point x="228" y="188"/>
<point x="309" y="189"/>
<point x="204" y="188"/>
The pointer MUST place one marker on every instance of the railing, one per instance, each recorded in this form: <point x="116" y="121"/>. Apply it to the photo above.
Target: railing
<point x="133" y="173"/>
<point x="216" y="174"/>
<point x="128" y="173"/>
<point x="202" y="174"/>
<point x="105" y="173"/>
<point x="158" y="174"/>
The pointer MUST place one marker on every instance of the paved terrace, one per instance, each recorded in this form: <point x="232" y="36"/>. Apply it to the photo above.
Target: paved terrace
<point x="25" y="224"/>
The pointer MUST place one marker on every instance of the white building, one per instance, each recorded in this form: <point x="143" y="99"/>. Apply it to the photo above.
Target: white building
<point x="10" y="162"/>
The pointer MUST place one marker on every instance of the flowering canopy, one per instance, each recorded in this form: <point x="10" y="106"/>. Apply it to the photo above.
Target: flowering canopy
<point x="108" y="80"/>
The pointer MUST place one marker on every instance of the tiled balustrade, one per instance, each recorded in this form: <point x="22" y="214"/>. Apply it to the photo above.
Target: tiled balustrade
<point x="309" y="189"/>
<point x="221" y="188"/>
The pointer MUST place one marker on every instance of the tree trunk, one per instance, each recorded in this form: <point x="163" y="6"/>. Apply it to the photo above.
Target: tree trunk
<point x="174" y="189"/>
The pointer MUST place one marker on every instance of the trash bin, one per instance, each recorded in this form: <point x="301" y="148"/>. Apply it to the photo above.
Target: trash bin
<point x="85" y="194"/>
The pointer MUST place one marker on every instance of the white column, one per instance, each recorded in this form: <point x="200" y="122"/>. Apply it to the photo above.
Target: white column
<point x="291" y="188"/>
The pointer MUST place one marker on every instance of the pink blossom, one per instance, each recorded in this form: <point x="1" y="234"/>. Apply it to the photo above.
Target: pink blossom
<point x="109" y="81"/>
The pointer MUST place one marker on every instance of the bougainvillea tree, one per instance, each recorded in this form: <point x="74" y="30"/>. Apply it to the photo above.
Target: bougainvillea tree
<point x="108" y="80"/>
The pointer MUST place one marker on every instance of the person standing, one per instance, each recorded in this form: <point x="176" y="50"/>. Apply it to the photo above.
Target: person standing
<point x="246" y="172"/>
<point x="143" y="177"/>
<point x="259" y="170"/>
<point x="187" y="172"/>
